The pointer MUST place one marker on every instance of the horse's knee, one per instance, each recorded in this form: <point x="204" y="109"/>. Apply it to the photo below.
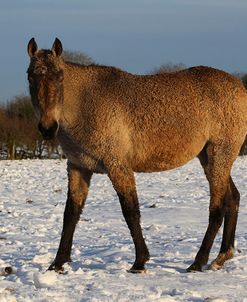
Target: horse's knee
<point x="232" y="198"/>
<point x="72" y="211"/>
<point x="216" y="215"/>
<point x="130" y="207"/>
<point x="235" y="194"/>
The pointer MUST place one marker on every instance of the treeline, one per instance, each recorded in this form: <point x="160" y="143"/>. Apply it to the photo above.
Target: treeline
<point x="19" y="136"/>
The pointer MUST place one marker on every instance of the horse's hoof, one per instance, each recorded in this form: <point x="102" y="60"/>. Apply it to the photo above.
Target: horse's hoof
<point x="214" y="266"/>
<point x="58" y="268"/>
<point x="137" y="271"/>
<point x="195" y="267"/>
<point x="218" y="263"/>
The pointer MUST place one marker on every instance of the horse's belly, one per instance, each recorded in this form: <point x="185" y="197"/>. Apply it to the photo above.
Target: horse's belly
<point x="166" y="158"/>
<point x="161" y="164"/>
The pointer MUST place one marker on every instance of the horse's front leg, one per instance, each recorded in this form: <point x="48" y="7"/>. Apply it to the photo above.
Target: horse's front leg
<point x="124" y="183"/>
<point x="79" y="181"/>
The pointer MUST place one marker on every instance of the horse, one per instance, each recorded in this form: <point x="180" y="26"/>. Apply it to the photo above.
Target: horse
<point x="113" y="122"/>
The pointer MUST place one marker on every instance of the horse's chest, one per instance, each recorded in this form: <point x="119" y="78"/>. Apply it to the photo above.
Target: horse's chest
<point x="77" y="155"/>
<point x="86" y="161"/>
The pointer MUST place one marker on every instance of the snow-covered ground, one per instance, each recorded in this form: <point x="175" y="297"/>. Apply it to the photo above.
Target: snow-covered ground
<point x="32" y="198"/>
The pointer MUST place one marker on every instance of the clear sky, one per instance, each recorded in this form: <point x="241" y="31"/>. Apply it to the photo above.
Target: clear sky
<point x="135" y="35"/>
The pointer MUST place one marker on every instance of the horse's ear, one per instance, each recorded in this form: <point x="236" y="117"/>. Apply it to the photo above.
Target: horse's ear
<point x="32" y="47"/>
<point x="57" y="47"/>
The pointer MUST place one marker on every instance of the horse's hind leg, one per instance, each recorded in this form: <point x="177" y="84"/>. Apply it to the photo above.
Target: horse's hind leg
<point x="232" y="198"/>
<point x="217" y="165"/>
<point x="79" y="181"/>
<point x="123" y="182"/>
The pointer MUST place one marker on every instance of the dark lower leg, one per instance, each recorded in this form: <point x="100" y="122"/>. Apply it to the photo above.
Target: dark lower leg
<point x="131" y="212"/>
<point x="227" y="246"/>
<point x="71" y="216"/>
<point x="217" y="169"/>
<point x="79" y="181"/>
<point x="215" y="221"/>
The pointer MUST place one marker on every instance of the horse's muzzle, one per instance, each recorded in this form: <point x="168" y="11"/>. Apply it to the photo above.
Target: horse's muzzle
<point x="50" y="132"/>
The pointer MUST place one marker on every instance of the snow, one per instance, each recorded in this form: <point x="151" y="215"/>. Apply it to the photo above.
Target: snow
<point x="174" y="206"/>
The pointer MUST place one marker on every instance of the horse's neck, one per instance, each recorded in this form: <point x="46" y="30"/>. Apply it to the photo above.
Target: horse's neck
<point x="73" y="86"/>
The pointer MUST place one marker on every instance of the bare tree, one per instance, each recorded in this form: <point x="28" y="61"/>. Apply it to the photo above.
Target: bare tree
<point x="77" y="57"/>
<point x="168" y="68"/>
<point x="244" y="80"/>
<point x="19" y="136"/>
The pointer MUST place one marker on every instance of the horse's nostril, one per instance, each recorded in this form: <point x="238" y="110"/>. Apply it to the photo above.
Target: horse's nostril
<point x="50" y="132"/>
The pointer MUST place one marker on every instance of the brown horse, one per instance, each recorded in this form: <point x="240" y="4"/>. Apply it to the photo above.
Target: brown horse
<point x="110" y="121"/>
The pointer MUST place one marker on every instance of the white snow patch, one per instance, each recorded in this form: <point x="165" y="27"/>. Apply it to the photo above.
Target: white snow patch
<point x="43" y="258"/>
<point x="7" y="298"/>
<point x="46" y="279"/>
<point x="215" y="300"/>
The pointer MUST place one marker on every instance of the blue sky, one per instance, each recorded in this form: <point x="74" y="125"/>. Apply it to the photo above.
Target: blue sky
<point x="135" y="35"/>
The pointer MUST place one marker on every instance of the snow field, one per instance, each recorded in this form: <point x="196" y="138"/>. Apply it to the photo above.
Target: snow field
<point x="174" y="208"/>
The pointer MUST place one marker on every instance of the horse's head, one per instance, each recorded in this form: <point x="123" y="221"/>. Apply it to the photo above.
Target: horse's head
<point x="45" y="77"/>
